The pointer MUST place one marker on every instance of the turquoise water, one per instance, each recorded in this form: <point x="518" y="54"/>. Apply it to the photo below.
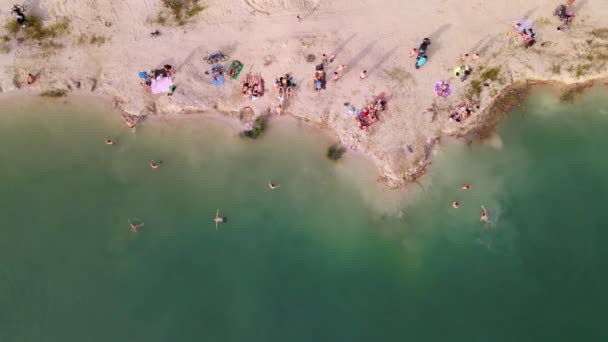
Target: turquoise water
<point x="316" y="259"/>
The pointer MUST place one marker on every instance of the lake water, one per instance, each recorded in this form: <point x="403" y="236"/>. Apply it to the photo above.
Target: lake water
<point x="329" y="256"/>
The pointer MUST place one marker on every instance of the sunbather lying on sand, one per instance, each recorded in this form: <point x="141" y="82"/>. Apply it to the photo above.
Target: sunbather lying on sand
<point x="245" y="90"/>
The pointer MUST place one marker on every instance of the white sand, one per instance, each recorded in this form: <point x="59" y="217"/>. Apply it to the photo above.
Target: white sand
<point x="375" y="35"/>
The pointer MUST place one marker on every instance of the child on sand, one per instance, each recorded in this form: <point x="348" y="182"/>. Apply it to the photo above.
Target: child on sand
<point x="363" y="74"/>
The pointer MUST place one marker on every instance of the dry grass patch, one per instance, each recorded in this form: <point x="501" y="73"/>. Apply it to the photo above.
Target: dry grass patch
<point x="601" y="33"/>
<point x="399" y="74"/>
<point x="178" y="12"/>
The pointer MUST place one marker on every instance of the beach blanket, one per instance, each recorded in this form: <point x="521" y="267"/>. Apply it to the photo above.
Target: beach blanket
<point x="446" y="93"/>
<point x="235" y="69"/>
<point x="256" y="79"/>
<point x="216" y="79"/>
<point x="161" y="85"/>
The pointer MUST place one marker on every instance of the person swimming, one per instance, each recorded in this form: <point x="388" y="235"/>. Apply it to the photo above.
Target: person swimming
<point x="484" y="214"/>
<point x="135" y="226"/>
<point x="155" y="164"/>
<point x="110" y="142"/>
<point x="466" y="187"/>
<point x="273" y="186"/>
<point x="218" y="219"/>
<point x="455" y="205"/>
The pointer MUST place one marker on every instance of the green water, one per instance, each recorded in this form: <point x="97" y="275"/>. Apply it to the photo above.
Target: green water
<point x="316" y="259"/>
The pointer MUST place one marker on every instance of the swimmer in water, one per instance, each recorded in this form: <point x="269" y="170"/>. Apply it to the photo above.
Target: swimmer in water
<point x="455" y="205"/>
<point x="110" y="142"/>
<point x="135" y="226"/>
<point x="466" y="187"/>
<point x="484" y="214"/>
<point x="218" y="219"/>
<point x="273" y="186"/>
<point x="155" y="164"/>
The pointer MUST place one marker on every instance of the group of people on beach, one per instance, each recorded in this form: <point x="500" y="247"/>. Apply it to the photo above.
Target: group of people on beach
<point x="158" y="75"/>
<point x="368" y="115"/>
<point x="283" y="86"/>
<point x="253" y="87"/>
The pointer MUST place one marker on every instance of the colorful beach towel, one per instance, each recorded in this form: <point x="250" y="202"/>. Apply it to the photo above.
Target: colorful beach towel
<point x="217" y="75"/>
<point x="446" y="93"/>
<point x="234" y="69"/>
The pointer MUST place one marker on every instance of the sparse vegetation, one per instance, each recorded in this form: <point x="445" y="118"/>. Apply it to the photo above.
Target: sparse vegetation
<point x="82" y="39"/>
<point x="582" y="69"/>
<point x="399" y="74"/>
<point x="259" y="126"/>
<point x="490" y="74"/>
<point x="5" y="46"/>
<point x="181" y="11"/>
<point x="556" y="69"/>
<point x="195" y="9"/>
<point x="159" y="19"/>
<point x="600" y="33"/>
<point x="97" y="40"/>
<point x="54" y="93"/>
<point x="335" y="152"/>
<point x="12" y="26"/>
<point x="35" y="30"/>
<point x="474" y="89"/>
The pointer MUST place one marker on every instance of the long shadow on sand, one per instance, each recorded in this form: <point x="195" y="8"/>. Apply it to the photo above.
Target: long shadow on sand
<point x="355" y="60"/>
<point x="435" y="42"/>
<point x="382" y="59"/>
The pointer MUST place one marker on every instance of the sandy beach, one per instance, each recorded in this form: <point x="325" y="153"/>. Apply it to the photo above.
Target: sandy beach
<point x="107" y="43"/>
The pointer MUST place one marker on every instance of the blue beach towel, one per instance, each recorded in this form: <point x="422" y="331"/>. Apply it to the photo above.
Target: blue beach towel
<point x="218" y="80"/>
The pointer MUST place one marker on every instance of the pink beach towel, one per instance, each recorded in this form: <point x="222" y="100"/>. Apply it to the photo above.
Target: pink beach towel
<point x="161" y="85"/>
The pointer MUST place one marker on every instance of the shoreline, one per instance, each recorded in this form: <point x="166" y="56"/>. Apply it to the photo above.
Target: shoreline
<point x="514" y="96"/>
<point x="477" y="131"/>
<point x="400" y="145"/>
